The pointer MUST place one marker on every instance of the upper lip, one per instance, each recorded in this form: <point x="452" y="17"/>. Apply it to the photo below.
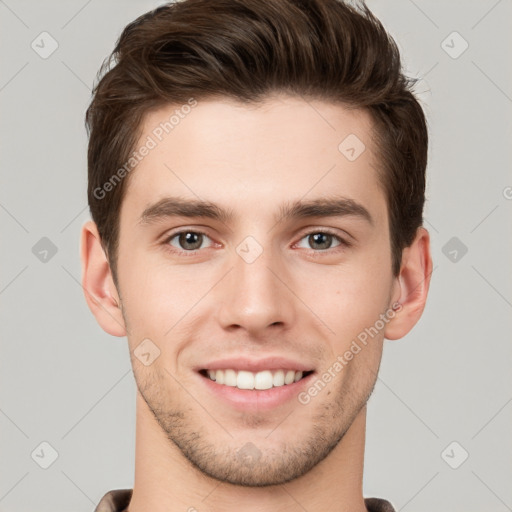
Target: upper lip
<point x="256" y="365"/>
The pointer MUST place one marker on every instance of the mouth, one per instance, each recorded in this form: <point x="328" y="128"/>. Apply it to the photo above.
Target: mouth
<point x="255" y="392"/>
<point x="255" y="385"/>
<point x="261" y="380"/>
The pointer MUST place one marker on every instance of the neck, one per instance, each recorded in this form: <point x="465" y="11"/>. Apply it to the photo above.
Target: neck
<point x="165" y="481"/>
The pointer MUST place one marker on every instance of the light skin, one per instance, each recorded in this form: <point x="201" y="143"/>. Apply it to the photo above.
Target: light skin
<point x="301" y="298"/>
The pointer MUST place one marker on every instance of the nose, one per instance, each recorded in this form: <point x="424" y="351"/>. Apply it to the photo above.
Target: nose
<point x="255" y="296"/>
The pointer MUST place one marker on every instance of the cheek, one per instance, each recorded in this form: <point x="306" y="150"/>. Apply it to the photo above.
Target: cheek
<point x="146" y="294"/>
<point x="350" y="306"/>
<point x="159" y="299"/>
<point x="350" y="298"/>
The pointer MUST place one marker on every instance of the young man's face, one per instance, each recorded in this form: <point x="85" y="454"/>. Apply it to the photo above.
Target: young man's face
<point x="256" y="284"/>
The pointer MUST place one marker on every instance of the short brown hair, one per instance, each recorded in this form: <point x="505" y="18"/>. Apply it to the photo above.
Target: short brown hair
<point x="247" y="50"/>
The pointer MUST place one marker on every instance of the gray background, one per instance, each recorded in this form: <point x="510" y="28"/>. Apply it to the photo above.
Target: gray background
<point x="67" y="383"/>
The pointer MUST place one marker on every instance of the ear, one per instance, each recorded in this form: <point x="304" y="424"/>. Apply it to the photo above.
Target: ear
<point x="411" y="286"/>
<point x="99" y="288"/>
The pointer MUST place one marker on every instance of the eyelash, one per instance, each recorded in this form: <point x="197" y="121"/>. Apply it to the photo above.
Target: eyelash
<point x="342" y="242"/>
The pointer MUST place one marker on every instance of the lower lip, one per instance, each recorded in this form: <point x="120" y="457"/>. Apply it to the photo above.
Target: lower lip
<point x="254" y="400"/>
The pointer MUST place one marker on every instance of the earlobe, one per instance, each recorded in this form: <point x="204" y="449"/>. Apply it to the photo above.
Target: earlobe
<point x="412" y="286"/>
<point x="99" y="288"/>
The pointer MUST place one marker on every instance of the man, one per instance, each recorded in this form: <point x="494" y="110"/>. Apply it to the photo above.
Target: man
<point x="256" y="183"/>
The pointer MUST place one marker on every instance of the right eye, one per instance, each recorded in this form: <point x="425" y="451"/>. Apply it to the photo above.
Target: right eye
<point x="186" y="241"/>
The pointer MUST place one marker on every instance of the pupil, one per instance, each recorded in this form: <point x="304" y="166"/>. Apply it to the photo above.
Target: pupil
<point x="190" y="239"/>
<point x="321" y="239"/>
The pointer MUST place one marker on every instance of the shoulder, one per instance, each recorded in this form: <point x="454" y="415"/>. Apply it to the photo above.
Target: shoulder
<point x="378" y="505"/>
<point x="116" y="500"/>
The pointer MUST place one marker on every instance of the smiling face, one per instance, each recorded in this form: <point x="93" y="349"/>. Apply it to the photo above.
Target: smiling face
<point x="247" y="234"/>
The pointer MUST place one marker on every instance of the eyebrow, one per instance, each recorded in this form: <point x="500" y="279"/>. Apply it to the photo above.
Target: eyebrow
<point x="322" y="207"/>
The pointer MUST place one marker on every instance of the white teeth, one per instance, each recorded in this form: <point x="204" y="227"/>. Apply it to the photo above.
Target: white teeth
<point x="265" y="379"/>
<point x="278" y="379"/>
<point x="289" y="377"/>
<point x="230" y="377"/>
<point x="245" y="380"/>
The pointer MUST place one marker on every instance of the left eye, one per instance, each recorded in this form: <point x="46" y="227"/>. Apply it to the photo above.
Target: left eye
<point x="322" y="240"/>
<point x="188" y="240"/>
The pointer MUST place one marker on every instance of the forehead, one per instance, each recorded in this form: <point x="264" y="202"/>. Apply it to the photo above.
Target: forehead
<point x="238" y="155"/>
